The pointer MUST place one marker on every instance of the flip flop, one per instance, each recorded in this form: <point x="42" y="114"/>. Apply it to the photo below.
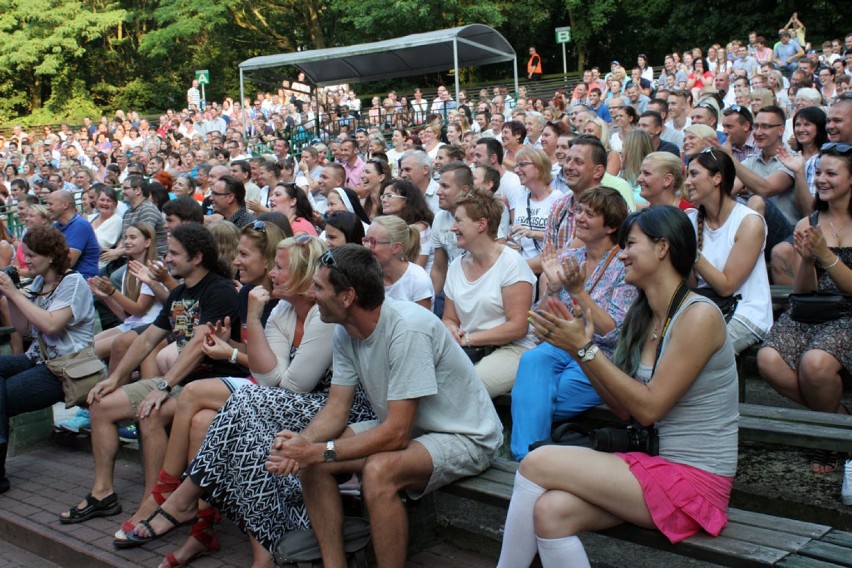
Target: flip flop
<point x="134" y="539"/>
<point x="106" y="507"/>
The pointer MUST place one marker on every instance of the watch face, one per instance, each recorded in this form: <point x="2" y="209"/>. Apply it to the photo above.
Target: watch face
<point x="163" y="386"/>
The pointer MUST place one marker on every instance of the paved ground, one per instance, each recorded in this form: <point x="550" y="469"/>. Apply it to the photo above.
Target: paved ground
<point x="48" y="480"/>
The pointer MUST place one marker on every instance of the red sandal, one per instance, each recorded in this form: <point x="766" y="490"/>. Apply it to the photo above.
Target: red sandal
<point x="166" y="483"/>
<point x="200" y="531"/>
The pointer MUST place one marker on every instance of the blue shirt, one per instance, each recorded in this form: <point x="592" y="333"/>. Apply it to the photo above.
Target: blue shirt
<point x="80" y="236"/>
<point x="603" y="113"/>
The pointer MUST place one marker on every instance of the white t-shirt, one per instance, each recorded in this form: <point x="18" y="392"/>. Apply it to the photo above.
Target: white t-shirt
<point x="510" y="187"/>
<point x="479" y="303"/>
<point x="150" y="315"/>
<point x="443" y="237"/>
<point x="413" y="286"/>
<point x="532" y="214"/>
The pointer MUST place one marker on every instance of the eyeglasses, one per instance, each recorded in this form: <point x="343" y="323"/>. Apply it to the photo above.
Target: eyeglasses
<point x="523" y="164"/>
<point x="302" y="239"/>
<point x="836" y="147"/>
<point x="258" y="226"/>
<point x="386" y="196"/>
<point x="219" y="194"/>
<point x="766" y="126"/>
<point x="370" y="242"/>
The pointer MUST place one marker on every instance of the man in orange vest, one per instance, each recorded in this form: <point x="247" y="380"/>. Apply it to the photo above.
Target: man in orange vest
<point x="534" y="66"/>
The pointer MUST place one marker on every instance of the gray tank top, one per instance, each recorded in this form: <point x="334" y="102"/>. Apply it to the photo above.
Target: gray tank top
<point x="700" y="430"/>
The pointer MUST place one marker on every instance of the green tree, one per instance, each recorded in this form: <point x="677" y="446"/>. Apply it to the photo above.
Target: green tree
<point x="39" y="39"/>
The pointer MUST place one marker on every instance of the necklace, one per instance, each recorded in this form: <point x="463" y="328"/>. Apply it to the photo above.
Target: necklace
<point x="654" y="335"/>
<point x="835" y="231"/>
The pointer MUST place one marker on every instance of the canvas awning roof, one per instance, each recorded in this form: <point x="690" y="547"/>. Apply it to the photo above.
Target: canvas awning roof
<point x="416" y="54"/>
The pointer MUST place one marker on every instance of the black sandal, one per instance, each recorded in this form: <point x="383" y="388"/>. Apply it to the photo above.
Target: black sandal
<point x="134" y="539"/>
<point x="824" y="460"/>
<point x="106" y="507"/>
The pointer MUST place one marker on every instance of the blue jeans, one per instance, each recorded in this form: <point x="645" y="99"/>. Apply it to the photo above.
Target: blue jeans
<point x="24" y="387"/>
<point x="549" y="385"/>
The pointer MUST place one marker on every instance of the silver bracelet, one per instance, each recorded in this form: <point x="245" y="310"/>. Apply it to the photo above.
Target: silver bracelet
<point x="833" y="264"/>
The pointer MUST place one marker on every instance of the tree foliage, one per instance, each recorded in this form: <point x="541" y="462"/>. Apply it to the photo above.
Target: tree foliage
<point x="61" y="59"/>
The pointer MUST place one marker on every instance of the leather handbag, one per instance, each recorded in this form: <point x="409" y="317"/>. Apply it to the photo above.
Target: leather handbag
<point x="820" y="307"/>
<point x="78" y="372"/>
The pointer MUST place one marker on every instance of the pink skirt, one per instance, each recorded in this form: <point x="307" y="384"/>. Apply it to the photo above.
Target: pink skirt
<point x="682" y="499"/>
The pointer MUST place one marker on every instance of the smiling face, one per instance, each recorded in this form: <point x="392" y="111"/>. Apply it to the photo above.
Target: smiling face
<point x="579" y="170"/>
<point x="335" y="203"/>
<point x="392" y="202"/>
<point x="250" y="261"/>
<point x="467" y="230"/>
<point x="805" y="131"/>
<point x="833" y="179"/>
<point x="702" y="187"/>
<point x="651" y="181"/>
<point x="589" y="225"/>
<point x="135" y="243"/>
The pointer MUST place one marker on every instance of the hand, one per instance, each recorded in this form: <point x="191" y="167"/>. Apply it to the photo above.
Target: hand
<point x="141" y="272"/>
<point x="253" y="204"/>
<point x="573" y="276"/>
<point x="793" y="161"/>
<point x="815" y="244"/>
<point x="714" y="143"/>
<point x="216" y="347"/>
<point x="257" y="300"/>
<point x="111" y="254"/>
<point x="7" y="287"/>
<point x="101" y="286"/>
<point x="221" y="330"/>
<point x="456" y="332"/>
<point x="100" y="390"/>
<point x="158" y="270"/>
<point x="799" y="243"/>
<point x="559" y="328"/>
<point x="152" y="402"/>
<point x="518" y="231"/>
<point x="552" y="270"/>
<point x="291" y="452"/>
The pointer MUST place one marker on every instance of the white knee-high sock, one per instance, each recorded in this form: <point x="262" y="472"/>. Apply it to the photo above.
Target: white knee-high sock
<point x="519" y="541"/>
<point x="565" y="552"/>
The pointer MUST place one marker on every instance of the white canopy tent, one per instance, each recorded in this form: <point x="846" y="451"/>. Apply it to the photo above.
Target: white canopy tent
<point x="417" y="54"/>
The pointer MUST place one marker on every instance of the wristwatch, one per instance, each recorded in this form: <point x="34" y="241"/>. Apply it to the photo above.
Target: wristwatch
<point x="587" y="352"/>
<point x="330" y="455"/>
<point x="164" y="386"/>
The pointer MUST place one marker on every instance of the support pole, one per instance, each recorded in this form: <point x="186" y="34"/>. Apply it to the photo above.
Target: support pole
<point x="456" y="66"/>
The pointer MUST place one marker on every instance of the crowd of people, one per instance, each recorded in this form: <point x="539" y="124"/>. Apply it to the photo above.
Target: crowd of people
<point x="612" y="243"/>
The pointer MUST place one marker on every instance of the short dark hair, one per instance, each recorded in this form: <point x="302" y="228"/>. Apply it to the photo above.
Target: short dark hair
<point x="461" y="173"/>
<point x="349" y="224"/>
<point x="138" y="182"/>
<point x="517" y="128"/>
<point x="244" y="166"/>
<point x="196" y="239"/>
<point x="776" y="110"/>
<point x="599" y="155"/>
<point x="492" y="148"/>
<point x="236" y="188"/>
<point x="358" y="268"/>
<point x="187" y="209"/>
<point x="652" y="114"/>
<point x="490" y="174"/>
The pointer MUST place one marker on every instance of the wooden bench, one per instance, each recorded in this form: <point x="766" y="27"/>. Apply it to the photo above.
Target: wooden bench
<point x="750" y="539"/>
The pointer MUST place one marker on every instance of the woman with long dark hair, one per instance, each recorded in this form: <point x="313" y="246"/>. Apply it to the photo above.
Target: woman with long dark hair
<point x="673" y="368"/>
<point x="809" y="131"/>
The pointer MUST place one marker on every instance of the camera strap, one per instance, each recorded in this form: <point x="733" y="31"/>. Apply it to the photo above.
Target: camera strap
<point x="674" y="306"/>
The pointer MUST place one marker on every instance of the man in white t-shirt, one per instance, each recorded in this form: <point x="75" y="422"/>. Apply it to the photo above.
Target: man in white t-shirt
<point x="417" y="378"/>
<point x="489" y="152"/>
<point x="456" y="179"/>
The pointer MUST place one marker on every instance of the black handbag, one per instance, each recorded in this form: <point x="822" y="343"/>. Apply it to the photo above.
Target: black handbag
<point x="726" y="304"/>
<point x="477" y="353"/>
<point x="820" y="307"/>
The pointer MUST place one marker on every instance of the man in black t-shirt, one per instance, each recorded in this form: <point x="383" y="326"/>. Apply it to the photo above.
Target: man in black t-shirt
<point x="206" y="296"/>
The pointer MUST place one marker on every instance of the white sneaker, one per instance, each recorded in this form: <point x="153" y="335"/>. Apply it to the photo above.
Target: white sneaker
<point x="846" y="492"/>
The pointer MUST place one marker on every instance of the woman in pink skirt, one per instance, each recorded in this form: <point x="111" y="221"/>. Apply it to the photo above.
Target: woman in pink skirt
<point x="673" y="369"/>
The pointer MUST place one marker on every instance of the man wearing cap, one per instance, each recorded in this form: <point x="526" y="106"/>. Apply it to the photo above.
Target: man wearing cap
<point x="787" y="53"/>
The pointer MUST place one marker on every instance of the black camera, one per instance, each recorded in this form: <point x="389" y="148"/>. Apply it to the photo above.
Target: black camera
<point x="630" y="439"/>
<point x="12" y="273"/>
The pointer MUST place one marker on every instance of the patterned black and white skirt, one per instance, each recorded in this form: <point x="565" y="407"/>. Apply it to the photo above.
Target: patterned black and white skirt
<point x="230" y="464"/>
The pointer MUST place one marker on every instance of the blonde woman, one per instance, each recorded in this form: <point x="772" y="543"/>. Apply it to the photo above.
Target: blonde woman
<point x="396" y="245"/>
<point x="598" y="128"/>
<point x="661" y="180"/>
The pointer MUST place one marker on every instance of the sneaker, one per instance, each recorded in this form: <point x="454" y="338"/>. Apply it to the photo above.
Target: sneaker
<point x="846" y="492"/>
<point x="76" y="423"/>
<point x="128" y="433"/>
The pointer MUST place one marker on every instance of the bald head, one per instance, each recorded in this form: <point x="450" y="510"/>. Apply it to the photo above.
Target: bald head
<point x="216" y="173"/>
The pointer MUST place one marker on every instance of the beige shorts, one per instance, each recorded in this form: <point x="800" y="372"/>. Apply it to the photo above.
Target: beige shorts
<point x="453" y="456"/>
<point x="136" y="392"/>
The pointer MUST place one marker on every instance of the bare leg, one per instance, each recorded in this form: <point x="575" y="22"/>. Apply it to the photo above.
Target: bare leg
<point x="820" y="382"/>
<point x="154" y="441"/>
<point x="262" y="558"/>
<point x="119" y="347"/>
<point x="166" y="358"/>
<point x="104" y="341"/>
<point x="779" y="375"/>
<point x="104" y="414"/>
<point x="182" y="505"/>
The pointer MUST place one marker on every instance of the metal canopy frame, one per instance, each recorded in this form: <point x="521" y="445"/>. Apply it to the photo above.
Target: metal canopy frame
<point x="418" y="54"/>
